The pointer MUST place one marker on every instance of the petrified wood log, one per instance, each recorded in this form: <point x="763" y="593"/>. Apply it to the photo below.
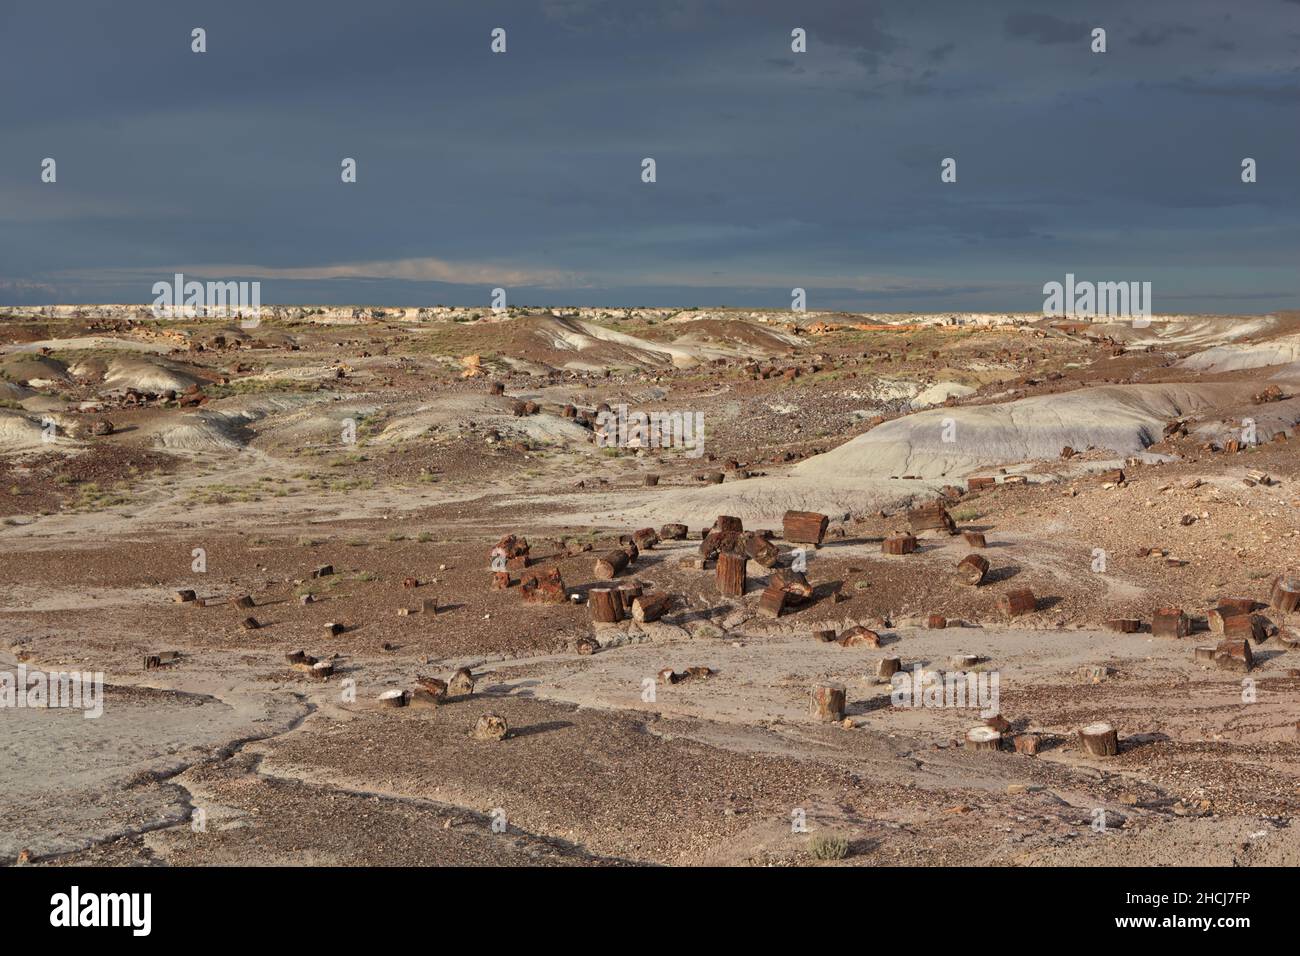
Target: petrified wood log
<point x="605" y="605"/>
<point x="1027" y="744"/>
<point x="974" y="538"/>
<point x="1015" y="603"/>
<point x="759" y="549"/>
<point x="1169" y="622"/>
<point x="393" y="698"/>
<point x="1245" y="625"/>
<point x="1099" y="739"/>
<point x="1234" y="654"/>
<point x="931" y="517"/>
<point x="827" y="702"/>
<point x="804" y="527"/>
<point x="793" y="583"/>
<point x="610" y="565"/>
<point x="651" y="607"/>
<point x="1125" y="625"/>
<point x="972" y="569"/>
<point x="936" y="621"/>
<point x="976" y="484"/>
<point x="731" y="574"/>
<point x="543" y="588"/>
<point x="1204" y="653"/>
<point x="898" y="544"/>
<point x="772" y="602"/>
<point x="728" y="523"/>
<point x="888" y="666"/>
<point x="491" y="727"/>
<point x="461" y="683"/>
<point x="184" y="597"/>
<point x="825" y="636"/>
<point x="859" y="637"/>
<point x="646" y="538"/>
<point x="673" y="532"/>
<point x="1284" y="596"/>
<point x="983" y="739"/>
<point x="627" y="593"/>
<point x="651" y="480"/>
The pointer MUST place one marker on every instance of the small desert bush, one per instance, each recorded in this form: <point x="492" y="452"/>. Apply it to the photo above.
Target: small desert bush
<point x="828" y="846"/>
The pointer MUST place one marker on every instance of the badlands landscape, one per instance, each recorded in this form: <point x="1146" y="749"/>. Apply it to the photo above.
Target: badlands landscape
<point x="371" y="586"/>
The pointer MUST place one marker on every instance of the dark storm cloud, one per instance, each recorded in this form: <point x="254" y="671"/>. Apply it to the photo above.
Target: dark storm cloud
<point x="775" y="168"/>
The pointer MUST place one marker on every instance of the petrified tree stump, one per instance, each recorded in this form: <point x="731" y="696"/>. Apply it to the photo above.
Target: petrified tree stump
<point x="1204" y="653"/>
<point x="1169" y="622"/>
<point x="828" y="702"/>
<point x="898" y="544"/>
<point x="974" y="538"/>
<point x="610" y="565"/>
<point x="1099" y="739"/>
<point x="888" y="666"/>
<point x="972" y="568"/>
<point x="1015" y="603"/>
<point x="731" y="574"/>
<point x="393" y="698"/>
<point x="514" y="549"/>
<point x="651" y="607"/>
<point x="936" y="622"/>
<point x="1285" y="595"/>
<point x="804" y="527"/>
<point x="983" y="739"/>
<point x="605" y="605"/>
<point x="772" y="602"/>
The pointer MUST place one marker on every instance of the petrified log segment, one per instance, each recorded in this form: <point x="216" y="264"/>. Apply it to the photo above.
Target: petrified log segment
<point x="972" y="569"/>
<point x="1169" y="622"/>
<point x="1125" y="625"/>
<point x="1285" y="595"/>
<point x="755" y="546"/>
<point x="1205" y="653"/>
<point x="435" y="687"/>
<point x="610" y="565"/>
<point x="646" y="538"/>
<point x="859" y="637"/>
<point x="627" y="593"/>
<point x="804" y="527"/>
<point x="605" y="605"/>
<point x="888" y="666"/>
<point x="1234" y="654"/>
<point x="514" y="549"/>
<point x="978" y="483"/>
<point x="241" y="601"/>
<point x="1099" y="739"/>
<point x="772" y="602"/>
<point x="1027" y="744"/>
<point x="931" y="517"/>
<point x="651" y="480"/>
<point x="898" y="544"/>
<point x="184" y="597"/>
<point x="974" y="538"/>
<point x="543" y="588"/>
<point x="461" y="683"/>
<point x="1015" y="603"/>
<point x="651" y="607"/>
<point x="998" y="723"/>
<point x="828" y="702"/>
<point x="728" y="523"/>
<point x="825" y="636"/>
<point x="491" y="727"/>
<point x="393" y="698"/>
<point x="631" y="550"/>
<point x="1114" y="477"/>
<point x="1247" y="626"/>
<point x="794" y="583"/>
<point x="983" y="739"/>
<point x="500" y="580"/>
<point x="673" y="532"/>
<point x="731" y="574"/>
<point x="936" y="622"/>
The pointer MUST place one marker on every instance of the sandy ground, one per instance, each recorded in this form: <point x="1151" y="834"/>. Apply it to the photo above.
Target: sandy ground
<point x="229" y="755"/>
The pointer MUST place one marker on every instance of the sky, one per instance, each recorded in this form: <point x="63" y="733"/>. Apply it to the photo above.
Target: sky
<point x="773" y="169"/>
